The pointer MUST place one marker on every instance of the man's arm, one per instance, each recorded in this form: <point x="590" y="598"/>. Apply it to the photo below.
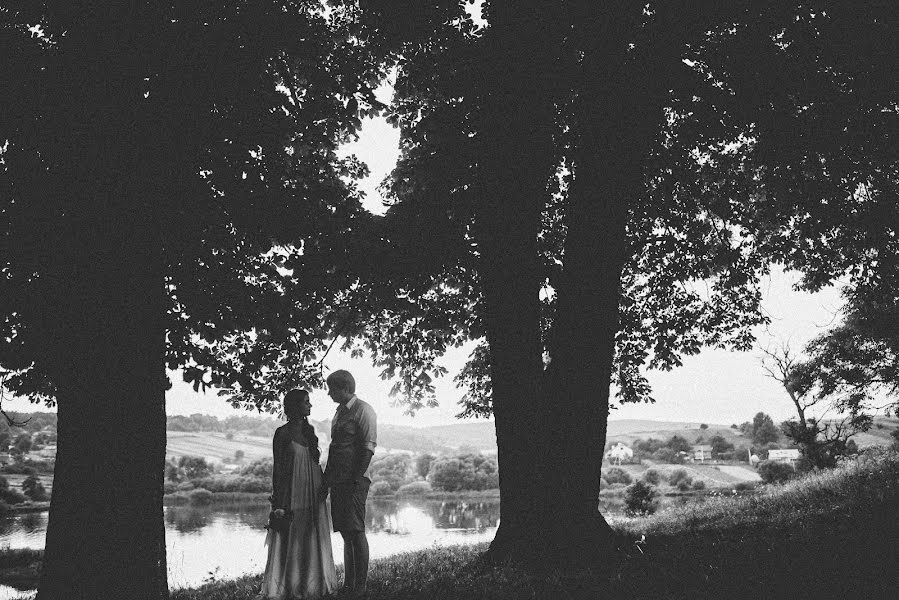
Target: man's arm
<point x="367" y="440"/>
<point x="362" y="466"/>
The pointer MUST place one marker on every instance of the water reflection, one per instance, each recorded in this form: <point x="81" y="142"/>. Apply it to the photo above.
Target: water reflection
<point x="223" y="542"/>
<point x="407" y="516"/>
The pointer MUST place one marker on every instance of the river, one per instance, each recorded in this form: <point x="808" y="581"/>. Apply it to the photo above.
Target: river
<point x="223" y="542"/>
<point x="207" y="543"/>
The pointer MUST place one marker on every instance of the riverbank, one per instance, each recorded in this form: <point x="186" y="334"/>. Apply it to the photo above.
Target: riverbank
<point x="833" y="534"/>
<point x="262" y="499"/>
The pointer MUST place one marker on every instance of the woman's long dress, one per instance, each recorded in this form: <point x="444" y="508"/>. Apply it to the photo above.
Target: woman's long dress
<point x="300" y="563"/>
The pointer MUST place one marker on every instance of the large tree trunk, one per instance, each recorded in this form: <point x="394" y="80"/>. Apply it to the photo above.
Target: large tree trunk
<point x="516" y="168"/>
<point x="103" y="324"/>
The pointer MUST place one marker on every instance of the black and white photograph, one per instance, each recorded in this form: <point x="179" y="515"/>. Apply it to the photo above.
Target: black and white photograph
<point x="449" y="300"/>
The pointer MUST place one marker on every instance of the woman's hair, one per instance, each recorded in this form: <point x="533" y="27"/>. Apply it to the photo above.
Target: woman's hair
<point x="292" y="400"/>
<point x="309" y="432"/>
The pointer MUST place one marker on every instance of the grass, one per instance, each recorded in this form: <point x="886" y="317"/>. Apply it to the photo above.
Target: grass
<point x="833" y="534"/>
<point x="20" y="568"/>
<point x="827" y="535"/>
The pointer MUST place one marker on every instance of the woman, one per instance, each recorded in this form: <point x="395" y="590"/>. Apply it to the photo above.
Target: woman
<point x="300" y="563"/>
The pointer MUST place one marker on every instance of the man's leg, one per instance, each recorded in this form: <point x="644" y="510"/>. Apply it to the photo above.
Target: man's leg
<point x="360" y="552"/>
<point x="349" y="560"/>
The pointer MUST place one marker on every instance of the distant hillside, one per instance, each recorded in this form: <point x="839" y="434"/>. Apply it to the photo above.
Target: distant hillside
<point x="471" y="434"/>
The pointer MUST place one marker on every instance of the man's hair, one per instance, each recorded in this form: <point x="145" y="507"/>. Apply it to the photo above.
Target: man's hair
<point x="342" y="380"/>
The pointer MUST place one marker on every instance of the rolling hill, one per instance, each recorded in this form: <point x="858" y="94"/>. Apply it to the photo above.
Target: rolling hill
<point x="479" y="435"/>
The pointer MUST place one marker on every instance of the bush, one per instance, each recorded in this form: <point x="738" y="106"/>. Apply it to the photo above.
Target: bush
<point x="234" y="483"/>
<point x="616" y="475"/>
<point x="416" y="488"/>
<point x="640" y="499"/>
<point x="423" y="464"/>
<point x="169" y="487"/>
<point x="699" y="485"/>
<point x="12" y="496"/>
<point x="184" y="486"/>
<point x="744" y="486"/>
<point x="392" y="469"/>
<point x="684" y="485"/>
<point x="201" y="497"/>
<point x="380" y="488"/>
<point x="465" y="472"/>
<point x="652" y="477"/>
<point x="678" y="476"/>
<point x="259" y="469"/>
<point x="34" y="489"/>
<point x="667" y="456"/>
<point x="775" y="472"/>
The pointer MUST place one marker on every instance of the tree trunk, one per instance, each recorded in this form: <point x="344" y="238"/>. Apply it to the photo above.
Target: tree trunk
<point x="516" y="167"/>
<point x="105" y="536"/>
<point x="103" y="324"/>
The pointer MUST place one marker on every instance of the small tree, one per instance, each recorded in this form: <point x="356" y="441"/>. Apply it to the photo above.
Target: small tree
<point x="652" y="477"/>
<point x="775" y="472"/>
<point x="763" y="429"/>
<point x="703" y="426"/>
<point x="423" y="464"/>
<point x="616" y="475"/>
<point x="640" y="499"/>
<point x="679" y="476"/>
<point x="23" y="443"/>
<point x="720" y="445"/>
<point x="194" y="467"/>
<point x="34" y="489"/>
<point x="238" y="455"/>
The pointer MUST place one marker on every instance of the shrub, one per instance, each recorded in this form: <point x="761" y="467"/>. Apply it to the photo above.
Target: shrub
<point x="259" y="468"/>
<point x="380" y="488"/>
<point x="652" y="477"/>
<point x="676" y="477"/>
<point x="184" y="486"/>
<point x="423" y="464"/>
<point x="170" y="487"/>
<point x="392" y="469"/>
<point x="616" y="475"/>
<point x="684" y="484"/>
<point x="465" y="472"/>
<point x="667" y="456"/>
<point x="775" y="472"/>
<point x="34" y="489"/>
<point x="12" y="496"/>
<point x="416" y="488"/>
<point x="640" y="499"/>
<point x="200" y="497"/>
<point x="699" y="484"/>
<point x="744" y="486"/>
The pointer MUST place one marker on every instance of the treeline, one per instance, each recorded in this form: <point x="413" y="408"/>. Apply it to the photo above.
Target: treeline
<point x="192" y="478"/>
<point x="251" y="425"/>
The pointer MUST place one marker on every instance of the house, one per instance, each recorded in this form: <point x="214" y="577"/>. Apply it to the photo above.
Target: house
<point x="702" y="453"/>
<point x="788" y="456"/>
<point x="619" y="452"/>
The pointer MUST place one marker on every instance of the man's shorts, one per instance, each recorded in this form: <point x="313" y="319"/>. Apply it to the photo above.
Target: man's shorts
<point x="348" y="505"/>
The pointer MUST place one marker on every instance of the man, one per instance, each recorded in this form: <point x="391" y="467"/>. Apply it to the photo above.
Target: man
<point x="354" y="433"/>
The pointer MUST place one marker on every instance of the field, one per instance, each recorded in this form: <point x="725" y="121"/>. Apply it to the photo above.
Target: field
<point x="214" y="446"/>
<point x="712" y="475"/>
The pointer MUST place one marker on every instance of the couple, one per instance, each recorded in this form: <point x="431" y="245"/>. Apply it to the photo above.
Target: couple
<point x="300" y="563"/>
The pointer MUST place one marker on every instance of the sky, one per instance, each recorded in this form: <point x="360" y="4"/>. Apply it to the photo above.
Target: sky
<point x="715" y="386"/>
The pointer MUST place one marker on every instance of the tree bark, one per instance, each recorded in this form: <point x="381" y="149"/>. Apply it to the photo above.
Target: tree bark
<point x="103" y="324"/>
<point x="105" y="536"/>
<point x="515" y="170"/>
